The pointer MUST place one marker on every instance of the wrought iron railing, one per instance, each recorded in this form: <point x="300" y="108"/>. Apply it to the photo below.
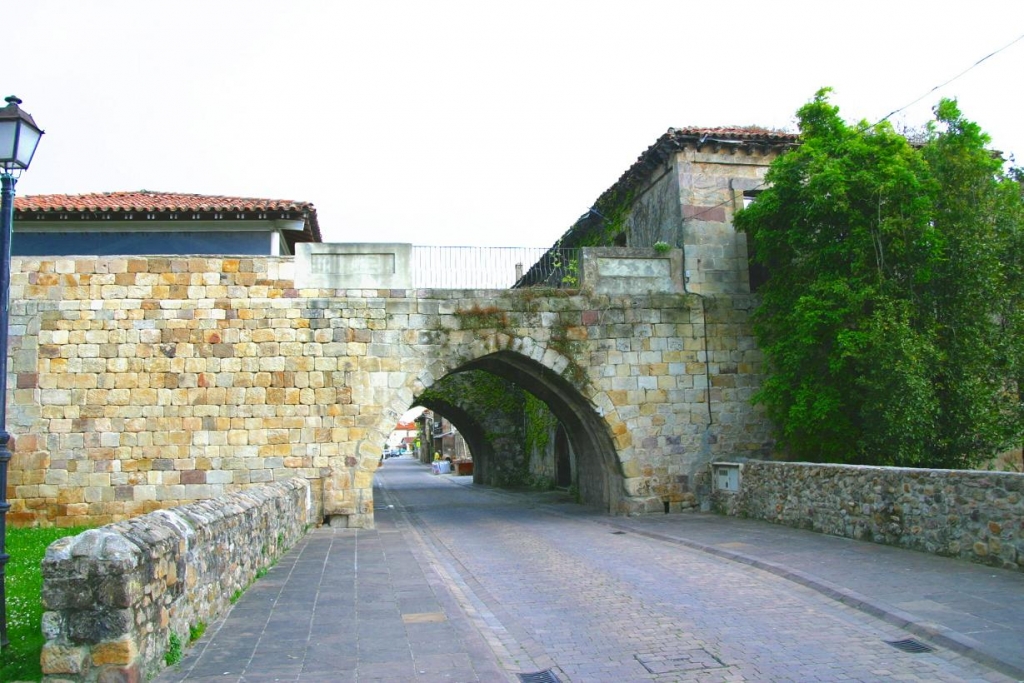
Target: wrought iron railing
<point x="494" y="267"/>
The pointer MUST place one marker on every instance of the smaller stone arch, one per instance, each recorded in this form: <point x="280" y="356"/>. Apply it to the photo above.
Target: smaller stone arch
<point x="469" y="427"/>
<point x="564" y="387"/>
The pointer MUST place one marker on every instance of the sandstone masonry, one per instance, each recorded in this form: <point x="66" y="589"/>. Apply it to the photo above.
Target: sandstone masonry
<point x="144" y="383"/>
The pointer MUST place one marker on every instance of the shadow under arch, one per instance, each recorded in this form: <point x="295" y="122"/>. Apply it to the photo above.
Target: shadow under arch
<point x="599" y="470"/>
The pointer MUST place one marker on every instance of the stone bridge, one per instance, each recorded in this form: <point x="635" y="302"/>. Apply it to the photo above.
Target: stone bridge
<point x="140" y="383"/>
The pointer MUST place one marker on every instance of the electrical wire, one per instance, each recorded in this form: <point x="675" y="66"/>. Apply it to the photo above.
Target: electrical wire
<point x="895" y="111"/>
<point x="942" y="85"/>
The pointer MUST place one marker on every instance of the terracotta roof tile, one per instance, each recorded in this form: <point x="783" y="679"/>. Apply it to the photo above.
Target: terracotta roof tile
<point x="170" y="202"/>
<point x="147" y="200"/>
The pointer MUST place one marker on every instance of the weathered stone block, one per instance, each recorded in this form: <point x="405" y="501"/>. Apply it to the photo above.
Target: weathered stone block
<point x="57" y="659"/>
<point x="121" y="652"/>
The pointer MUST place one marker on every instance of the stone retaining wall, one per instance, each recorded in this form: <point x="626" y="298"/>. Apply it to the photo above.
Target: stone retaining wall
<point x="973" y="515"/>
<point x="115" y="595"/>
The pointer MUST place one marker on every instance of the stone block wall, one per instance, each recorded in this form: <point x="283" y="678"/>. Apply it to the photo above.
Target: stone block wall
<point x="711" y="186"/>
<point x="973" y="515"/>
<point x="139" y="384"/>
<point x="114" y="595"/>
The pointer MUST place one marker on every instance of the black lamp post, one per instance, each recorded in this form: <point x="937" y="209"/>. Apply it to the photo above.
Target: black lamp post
<point x="19" y="136"/>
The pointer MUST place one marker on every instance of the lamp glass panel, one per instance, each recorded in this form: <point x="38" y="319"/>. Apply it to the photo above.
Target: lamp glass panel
<point x="27" y="142"/>
<point x="8" y="133"/>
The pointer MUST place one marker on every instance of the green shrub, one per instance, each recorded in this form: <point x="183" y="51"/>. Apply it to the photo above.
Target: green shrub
<point x="174" y="650"/>
<point x="196" y="632"/>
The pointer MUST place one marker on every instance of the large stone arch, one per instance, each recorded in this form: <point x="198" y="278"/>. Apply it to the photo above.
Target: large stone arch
<point x="590" y="420"/>
<point x="163" y="380"/>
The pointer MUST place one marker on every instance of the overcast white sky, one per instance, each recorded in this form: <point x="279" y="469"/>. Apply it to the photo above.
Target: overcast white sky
<point x="463" y="123"/>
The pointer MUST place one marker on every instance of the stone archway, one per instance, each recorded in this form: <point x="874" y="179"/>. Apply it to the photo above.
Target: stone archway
<point x="469" y="427"/>
<point x="542" y="372"/>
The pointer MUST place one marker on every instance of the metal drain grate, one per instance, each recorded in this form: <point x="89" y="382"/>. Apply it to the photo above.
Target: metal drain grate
<point x="539" y="677"/>
<point x="910" y="645"/>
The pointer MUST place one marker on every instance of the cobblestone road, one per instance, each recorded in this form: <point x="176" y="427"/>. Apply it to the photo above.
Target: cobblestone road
<point x="548" y="591"/>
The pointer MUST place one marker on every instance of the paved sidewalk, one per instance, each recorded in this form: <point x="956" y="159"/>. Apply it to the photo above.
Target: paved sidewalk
<point x="972" y="609"/>
<point x="344" y="605"/>
<point x="395" y="604"/>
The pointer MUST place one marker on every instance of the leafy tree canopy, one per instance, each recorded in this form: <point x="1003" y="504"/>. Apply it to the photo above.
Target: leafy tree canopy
<point x="891" y="321"/>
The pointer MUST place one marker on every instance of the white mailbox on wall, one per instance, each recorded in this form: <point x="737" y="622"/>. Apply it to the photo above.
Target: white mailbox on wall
<point x="726" y="476"/>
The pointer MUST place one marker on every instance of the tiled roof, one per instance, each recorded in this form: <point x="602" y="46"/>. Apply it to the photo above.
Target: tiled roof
<point x="147" y="200"/>
<point x="169" y="202"/>
<point x="749" y="133"/>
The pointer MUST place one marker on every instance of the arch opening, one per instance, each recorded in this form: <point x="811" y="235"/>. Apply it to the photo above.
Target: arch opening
<point x="578" y="452"/>
<point x="598" y="476"/>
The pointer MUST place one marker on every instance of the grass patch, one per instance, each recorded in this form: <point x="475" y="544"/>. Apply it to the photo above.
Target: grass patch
<point x="174" y="650"/>
<point x="196" y="632"/>
<point x="20" y="660"/>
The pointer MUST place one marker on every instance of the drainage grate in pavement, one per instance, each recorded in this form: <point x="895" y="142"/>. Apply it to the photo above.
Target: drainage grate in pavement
<point x="539" y="677"/>
<point x="691" y="660"/>
<point x="910" y="645"/>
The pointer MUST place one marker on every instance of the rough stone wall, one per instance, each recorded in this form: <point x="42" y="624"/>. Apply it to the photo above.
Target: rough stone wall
<point x="143" y="383"/>
<point x="973" y="515"/>
<point x="541" y="427"/>
<point x="114" y="595"/>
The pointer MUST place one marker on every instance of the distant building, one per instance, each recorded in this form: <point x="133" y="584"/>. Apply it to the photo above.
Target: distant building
<point x="403" y="437"/>
<point x="682" y="192"/>
<point x="159" y="223"/>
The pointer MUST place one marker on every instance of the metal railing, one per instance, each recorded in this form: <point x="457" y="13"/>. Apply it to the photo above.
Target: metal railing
<point x="494" y="267"/>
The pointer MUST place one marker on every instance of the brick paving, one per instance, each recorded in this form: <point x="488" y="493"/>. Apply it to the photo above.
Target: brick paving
<point x="466" y="583"/>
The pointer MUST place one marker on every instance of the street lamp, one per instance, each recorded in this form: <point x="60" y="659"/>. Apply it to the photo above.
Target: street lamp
<point x="19" y="136"/>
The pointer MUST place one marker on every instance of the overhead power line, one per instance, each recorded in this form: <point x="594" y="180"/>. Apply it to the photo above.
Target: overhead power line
<point x="942" y="85"/>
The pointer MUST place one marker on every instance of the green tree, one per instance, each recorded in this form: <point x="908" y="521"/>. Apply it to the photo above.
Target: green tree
<point x="889" y="322"/>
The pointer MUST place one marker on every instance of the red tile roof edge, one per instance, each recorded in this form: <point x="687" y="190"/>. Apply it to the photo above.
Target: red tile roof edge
<point x="148" y="200"/>
<point x="164" y="202"/>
